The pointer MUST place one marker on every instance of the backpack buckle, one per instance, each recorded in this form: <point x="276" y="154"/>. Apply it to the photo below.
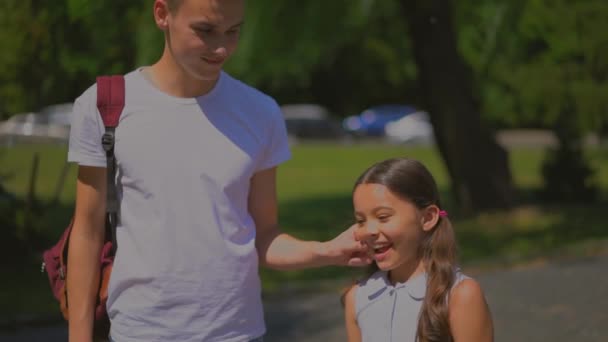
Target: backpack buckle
<point x="107" y="141"/>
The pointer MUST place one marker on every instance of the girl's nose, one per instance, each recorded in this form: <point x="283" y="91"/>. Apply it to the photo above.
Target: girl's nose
<point x="370" y="232"/>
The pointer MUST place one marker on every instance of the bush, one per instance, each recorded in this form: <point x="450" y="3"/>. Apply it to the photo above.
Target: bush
<point x="566" y="172"/>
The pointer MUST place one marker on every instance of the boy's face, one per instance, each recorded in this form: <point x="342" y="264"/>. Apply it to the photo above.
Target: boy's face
<point x="202" y="34"/>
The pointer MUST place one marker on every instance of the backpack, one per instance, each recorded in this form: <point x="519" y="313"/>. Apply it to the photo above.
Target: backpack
<point x="110" y="103"/>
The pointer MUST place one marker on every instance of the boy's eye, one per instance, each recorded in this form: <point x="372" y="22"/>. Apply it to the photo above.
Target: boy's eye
<point x="205" y="30"/>
<point x="383" y="218"/>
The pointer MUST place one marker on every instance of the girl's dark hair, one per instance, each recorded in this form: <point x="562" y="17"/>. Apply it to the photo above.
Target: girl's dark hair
<point x="411" y="181"/>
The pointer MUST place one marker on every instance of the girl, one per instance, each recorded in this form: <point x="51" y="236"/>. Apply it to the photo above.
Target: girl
<point x="415" y="291"/>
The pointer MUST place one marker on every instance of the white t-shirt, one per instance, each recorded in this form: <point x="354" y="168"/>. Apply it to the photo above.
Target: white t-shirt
<point x="186" y="267"/>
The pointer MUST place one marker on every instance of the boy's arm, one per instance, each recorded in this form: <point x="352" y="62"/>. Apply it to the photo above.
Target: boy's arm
<point x="469" y="315"/>
<point x="350" y="317"/>
<point x="278" y="250"/>
<point x="86" y="240"/>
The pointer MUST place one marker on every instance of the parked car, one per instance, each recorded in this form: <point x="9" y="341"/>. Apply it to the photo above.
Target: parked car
<point x="372" y="121"/>
<point x="59" y="114"/>
<point x="414" y="128"/>
<point x="51" y="124"/>
<point x="310" y="121"/>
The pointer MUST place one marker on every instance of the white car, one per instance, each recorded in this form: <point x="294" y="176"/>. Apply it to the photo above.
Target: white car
<point x="50" y="125"/>
<point x="414" y="128"/>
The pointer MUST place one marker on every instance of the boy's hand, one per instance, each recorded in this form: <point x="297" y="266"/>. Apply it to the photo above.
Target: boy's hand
<point x="345" y="250"/>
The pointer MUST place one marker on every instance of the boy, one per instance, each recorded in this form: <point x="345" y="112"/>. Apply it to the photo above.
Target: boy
<point x="197" y="152"/>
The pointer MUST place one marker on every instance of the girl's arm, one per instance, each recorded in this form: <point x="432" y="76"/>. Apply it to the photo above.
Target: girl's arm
<point x="469" y="315"/>
<point x="350" y="317"/>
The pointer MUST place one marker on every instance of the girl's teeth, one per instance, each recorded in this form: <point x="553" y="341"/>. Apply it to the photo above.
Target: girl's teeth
<point x="381" y="249"/>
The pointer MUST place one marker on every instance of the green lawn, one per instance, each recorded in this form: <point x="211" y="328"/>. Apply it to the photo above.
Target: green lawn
<point x="314" y="195"/>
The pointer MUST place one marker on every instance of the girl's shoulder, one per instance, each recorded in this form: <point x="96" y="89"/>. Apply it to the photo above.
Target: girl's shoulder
<point x="459" y="277"/>
<point x="464" y="289"/>
<point x="348" y="296"/>
<point x="465" y="293"/>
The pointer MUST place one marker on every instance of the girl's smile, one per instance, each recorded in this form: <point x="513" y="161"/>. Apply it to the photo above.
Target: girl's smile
<point x="380" y="253"/>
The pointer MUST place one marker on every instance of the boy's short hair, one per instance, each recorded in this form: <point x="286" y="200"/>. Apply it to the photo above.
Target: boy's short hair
<point x="173" y="5"/>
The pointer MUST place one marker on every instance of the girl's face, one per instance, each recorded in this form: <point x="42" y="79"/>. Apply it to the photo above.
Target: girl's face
<point x="391" y="227"/>
<point x="203" y="34"/>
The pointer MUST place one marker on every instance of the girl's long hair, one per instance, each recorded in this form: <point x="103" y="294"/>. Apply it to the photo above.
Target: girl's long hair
<point x="411" y="181"/>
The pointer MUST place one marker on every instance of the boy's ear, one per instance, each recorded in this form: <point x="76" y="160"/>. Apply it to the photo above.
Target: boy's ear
<point x="430" y="217"/>
<point x="161" y="14"/>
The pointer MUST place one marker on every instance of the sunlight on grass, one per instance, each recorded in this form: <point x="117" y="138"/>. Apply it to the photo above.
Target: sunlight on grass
<point x="16" y="170"/>
<point x="332" y="169"/>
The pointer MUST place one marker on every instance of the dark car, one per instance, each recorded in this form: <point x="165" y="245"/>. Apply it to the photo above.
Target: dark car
<point x="373" y="121"/>
<point x="310" y="121"/>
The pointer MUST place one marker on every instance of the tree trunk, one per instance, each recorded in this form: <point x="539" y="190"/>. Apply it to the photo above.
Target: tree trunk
<point x="477" y="165"/>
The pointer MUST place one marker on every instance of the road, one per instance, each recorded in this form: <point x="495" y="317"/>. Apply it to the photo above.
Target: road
<point x="558" y="301"/>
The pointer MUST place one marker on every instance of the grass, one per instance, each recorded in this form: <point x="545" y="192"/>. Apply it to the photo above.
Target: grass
<point x="314" y="198"/>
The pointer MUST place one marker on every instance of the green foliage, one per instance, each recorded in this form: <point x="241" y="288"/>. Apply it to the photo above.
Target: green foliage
<point x="55" y="49"/>
<point x="344" y="54"/>
<point x="544" y="63"/>
<point x="296" y="37"/>
<point x="539" y="60"/>
<point x="149" y="39"/>
<point x="534" y="60"/>
<point x="568" y="177"/>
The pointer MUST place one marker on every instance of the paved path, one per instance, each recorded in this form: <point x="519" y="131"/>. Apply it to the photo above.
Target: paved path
<point x="559" y="302"/>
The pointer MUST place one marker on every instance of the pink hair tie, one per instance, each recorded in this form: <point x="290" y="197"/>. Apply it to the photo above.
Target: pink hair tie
<point x="443" y="213"/>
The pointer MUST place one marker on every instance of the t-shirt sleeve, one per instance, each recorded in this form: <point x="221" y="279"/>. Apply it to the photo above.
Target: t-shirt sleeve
<point x="86" y="130"/>
<point x="277" y="149"/>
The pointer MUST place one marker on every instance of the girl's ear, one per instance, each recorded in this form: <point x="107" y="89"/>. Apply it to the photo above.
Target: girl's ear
<point x="430" y="217"/>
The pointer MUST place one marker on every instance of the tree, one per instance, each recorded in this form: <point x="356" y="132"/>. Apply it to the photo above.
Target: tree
<point x="344" y="54"/>
<point x="350" y="54"/>
<point x="55" y="49"/>
<point x="571" y="55"/>
<point x="477" y="165"/>
<point x="548" y="68"/>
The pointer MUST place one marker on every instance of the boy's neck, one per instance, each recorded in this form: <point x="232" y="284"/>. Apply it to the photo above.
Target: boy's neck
<point x="171" y="78"/>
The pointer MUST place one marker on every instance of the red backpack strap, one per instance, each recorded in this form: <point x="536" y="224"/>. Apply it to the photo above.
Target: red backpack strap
<point x="110" y="98"/>
<point x="110" y="102"/>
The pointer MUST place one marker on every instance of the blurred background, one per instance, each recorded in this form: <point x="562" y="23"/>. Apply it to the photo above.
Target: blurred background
<point x="506" y="101"/>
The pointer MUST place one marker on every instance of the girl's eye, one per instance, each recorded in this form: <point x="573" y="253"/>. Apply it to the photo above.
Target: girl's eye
<point x="233" y="31"/>
<point x="383" y="218"/>
<point x="360" y="222"/>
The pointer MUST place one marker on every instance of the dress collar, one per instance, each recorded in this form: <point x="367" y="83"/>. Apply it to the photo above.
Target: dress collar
<point x="379" y="284"/>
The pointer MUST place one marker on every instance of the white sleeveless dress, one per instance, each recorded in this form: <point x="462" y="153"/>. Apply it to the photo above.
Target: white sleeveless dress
<point x="387" y="313"/>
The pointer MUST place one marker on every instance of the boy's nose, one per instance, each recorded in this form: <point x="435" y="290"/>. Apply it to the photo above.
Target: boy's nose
<point x="221" y="51"/>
